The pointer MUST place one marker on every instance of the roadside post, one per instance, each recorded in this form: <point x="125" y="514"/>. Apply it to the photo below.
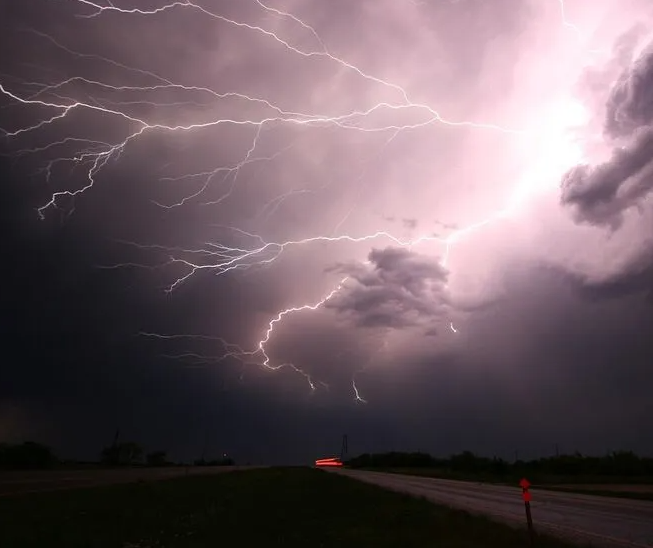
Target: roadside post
<point x="526" y="495"/>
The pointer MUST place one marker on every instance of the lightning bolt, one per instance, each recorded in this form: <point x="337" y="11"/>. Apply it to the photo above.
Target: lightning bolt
<point x="61" y="101"/>
<point x="576" y="30"/>
<point x="566" y="23"/>
<point x="357" y="394"/>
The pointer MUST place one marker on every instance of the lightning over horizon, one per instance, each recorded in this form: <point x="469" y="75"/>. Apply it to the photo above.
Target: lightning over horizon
<point x="154" y="105"/>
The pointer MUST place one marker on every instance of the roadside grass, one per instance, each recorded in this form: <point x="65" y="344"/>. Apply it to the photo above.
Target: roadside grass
<point x="601" y="492"/>
<point x="290" y="507"/>
<point x="447" y="474"/>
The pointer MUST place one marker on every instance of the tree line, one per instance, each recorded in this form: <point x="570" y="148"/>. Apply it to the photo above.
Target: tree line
<point x="28" y="455"/>
<point x="31" y="455"/>
<point x="619" y="463"/>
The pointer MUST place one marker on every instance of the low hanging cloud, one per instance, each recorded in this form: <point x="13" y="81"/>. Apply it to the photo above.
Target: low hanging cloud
<point x="601" y="194"/>
<point x="395" y="288"/>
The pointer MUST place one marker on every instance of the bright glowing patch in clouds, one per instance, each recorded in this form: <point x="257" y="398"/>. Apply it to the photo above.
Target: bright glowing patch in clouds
<point x="555" y="148"/>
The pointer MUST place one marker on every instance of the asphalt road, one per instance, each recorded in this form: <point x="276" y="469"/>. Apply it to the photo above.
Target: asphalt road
<point x="601" y="521"/>
<point x="16" y="483"/>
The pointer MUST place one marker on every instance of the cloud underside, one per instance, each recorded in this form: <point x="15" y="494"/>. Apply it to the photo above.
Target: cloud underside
<point x="395" y="288"/>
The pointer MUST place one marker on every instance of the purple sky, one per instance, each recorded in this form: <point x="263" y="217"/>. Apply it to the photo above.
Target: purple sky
<point x="426" y="224"/>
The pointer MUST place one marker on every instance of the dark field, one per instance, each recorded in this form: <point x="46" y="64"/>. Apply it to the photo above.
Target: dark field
<point x="265" y="507"/>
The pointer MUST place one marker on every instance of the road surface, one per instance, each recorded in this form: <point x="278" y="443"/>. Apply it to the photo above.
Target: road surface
<point x="601" y="521"/>
<point x="16" y="483"/>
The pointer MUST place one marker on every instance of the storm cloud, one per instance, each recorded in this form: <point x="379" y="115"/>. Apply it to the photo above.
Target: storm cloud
<point x="630" y="105"/>
<point x="600" y="194"/>
<point x="257" y="226"/>
<point x="396" y="288"/>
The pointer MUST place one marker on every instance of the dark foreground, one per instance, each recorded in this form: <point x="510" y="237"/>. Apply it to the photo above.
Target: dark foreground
<point x="266" y="507"/>
<point x="38" y="481"/>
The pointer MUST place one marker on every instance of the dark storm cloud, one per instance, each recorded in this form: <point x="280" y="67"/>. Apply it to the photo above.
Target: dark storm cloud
<point x="636" y="278"/>
<point x="630" y="105"/>
<point x="530" y="369"/>
<point x="397" y="288"/>
<point x="600" y="194"/>
<point x="555" y="362"/>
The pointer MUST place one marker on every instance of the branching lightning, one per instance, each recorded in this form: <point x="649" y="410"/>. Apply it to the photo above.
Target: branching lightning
<point x="59" y="102"/>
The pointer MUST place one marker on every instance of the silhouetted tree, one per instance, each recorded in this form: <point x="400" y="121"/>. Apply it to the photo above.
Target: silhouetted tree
<point x="124" y="453"/>
<point x="26" y="455"/>
<point x="621" y="464"/>
<point x="225" y="461"/>
<point x="156" y="458"/>
<point x="109" y="455"/>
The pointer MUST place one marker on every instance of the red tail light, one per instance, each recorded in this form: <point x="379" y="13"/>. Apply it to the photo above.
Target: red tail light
<point x="333" y="461"/>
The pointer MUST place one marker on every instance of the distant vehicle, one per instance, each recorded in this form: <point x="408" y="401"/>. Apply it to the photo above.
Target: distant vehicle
<point x="333" y="461"/>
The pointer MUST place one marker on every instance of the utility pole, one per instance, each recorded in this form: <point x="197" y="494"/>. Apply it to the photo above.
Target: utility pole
<point x="343" y="449"/>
